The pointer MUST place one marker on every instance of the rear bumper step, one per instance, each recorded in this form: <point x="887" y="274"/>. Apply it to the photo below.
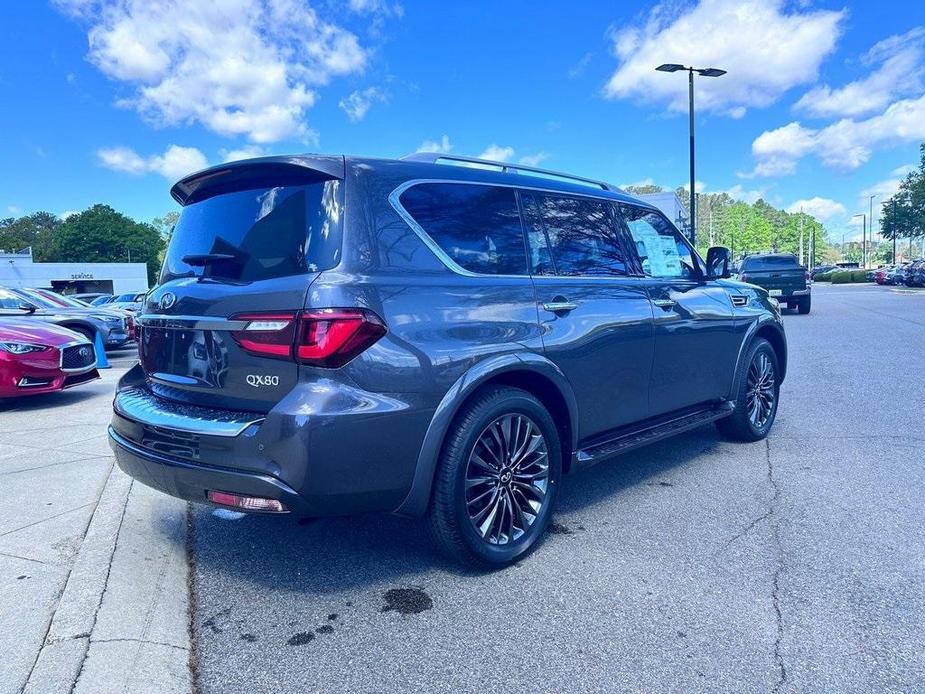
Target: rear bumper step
<point x="655" y="431"/>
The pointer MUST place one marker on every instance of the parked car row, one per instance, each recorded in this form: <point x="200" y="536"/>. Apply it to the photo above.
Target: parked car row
<point x="908" y="274"/>
<point x="130" y="302"/>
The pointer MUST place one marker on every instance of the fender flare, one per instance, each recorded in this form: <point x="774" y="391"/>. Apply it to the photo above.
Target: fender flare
<point x="750" y="336"/>
<point x="418" y="497"/>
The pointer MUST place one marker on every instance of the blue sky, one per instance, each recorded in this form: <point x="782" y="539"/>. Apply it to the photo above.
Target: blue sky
<point x="111" y="100"/>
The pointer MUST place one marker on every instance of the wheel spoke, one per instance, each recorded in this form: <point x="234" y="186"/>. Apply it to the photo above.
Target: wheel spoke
<point x="506" y="478"/>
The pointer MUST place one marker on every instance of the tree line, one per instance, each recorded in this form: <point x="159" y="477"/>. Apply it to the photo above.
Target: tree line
<point x="748" y="228"/>
<point x="904" y="213"/>
<point x="99" y="234"/>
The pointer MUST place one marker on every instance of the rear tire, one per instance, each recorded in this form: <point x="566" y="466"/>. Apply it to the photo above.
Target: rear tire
<point x="497" y="479"/>
<point x="805" y="305"/>
<point x="757" y="395"/>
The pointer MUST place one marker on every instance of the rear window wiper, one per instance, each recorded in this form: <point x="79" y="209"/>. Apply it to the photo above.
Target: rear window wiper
<point x="203" y="259"/>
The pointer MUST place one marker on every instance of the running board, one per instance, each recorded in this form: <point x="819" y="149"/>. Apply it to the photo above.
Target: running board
<point x="650" y="433"/>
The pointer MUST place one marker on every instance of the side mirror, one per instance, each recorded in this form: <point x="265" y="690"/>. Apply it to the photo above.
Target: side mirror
<point x="27" y="307"/>
<point x="717" y="263"/>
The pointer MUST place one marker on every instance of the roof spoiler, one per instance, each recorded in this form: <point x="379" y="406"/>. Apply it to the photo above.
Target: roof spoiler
<point x="252" y="173"/>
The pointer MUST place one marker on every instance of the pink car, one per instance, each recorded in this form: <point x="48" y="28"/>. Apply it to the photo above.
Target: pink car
<point x="36" y="357"/>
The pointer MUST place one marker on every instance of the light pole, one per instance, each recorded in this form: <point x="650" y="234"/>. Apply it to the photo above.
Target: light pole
<point x="703" y="72"/>
<point x="871" y="225"/>
<point x="864" y="236"/>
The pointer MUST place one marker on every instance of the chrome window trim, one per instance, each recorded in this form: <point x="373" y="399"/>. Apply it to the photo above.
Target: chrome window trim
<point x="139" y="405"/>
<point x="455" y="267"/>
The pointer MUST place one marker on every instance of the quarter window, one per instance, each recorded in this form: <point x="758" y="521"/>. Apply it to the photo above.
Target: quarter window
<point x="662" y="250"/>
<point x="477" y="226"/>
<point x="572" y="236"/>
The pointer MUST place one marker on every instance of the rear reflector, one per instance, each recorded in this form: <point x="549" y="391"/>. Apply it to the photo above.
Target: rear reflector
<point x="247" y="503"/>
<point x="267" y="334"/>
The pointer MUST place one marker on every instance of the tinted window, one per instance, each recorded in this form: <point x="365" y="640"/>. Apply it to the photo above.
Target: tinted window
<point x="477" y="226"/>
<point x="770" y="262"/>
<point x="660" y="247"/>
<point x="572" y="236"/>
<point x="9" y="300"/>
<point x="266" y="233"/>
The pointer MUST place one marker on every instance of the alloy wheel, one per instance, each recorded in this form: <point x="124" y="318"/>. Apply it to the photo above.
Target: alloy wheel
<point x="761" y="392"/>
<point x="507" y="479"/>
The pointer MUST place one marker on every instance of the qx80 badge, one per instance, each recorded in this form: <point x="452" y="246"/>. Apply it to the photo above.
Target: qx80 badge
<point x="262" y="381"/>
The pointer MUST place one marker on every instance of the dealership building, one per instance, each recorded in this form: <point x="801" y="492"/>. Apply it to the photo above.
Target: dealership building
<point x="672" y="207"/>
<point x="18" y="270"/>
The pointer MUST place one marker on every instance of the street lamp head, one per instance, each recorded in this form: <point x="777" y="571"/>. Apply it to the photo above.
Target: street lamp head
<point x="670" y="67"/>
<point x="711" y="72"/>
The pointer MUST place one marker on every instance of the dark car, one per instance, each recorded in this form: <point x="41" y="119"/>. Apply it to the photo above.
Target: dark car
<point x="111" y="326"/>
<point x="336" y="335"/>
<point x="782" y="275"/>
<point x="39" y="358"/>
<point x="822" y="269"/>
<point x="914" y="274"/>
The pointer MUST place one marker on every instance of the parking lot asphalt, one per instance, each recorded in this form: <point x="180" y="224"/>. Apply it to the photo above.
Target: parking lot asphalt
<point x="796" y="564"/>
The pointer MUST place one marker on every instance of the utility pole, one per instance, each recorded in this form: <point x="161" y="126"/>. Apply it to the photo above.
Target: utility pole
<point x="801" y="236"/>
<point x="871" y="227"/>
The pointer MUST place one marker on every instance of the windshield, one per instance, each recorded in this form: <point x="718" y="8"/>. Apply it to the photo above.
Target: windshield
<point x="64" y="300"/>
<point x="254" y="235"/>
<point x="770" y="262"/>
<point x="126" y="297"/>
<point x="100" y="300"/>
<point x="37" y="299"/>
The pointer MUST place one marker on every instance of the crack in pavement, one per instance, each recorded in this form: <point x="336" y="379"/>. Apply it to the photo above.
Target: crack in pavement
<point x="778" y="568"/>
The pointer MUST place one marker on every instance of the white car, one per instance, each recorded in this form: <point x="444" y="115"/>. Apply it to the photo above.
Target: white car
<point x="129" y="302"/>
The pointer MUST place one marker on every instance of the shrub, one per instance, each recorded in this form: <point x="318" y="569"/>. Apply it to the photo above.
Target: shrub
<point x="841" y="277"/>
<point x="859" y="275"/>
<point x="823" y="277"/>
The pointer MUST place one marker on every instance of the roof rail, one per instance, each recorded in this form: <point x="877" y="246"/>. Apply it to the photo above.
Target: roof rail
<point x="434" y="157"/>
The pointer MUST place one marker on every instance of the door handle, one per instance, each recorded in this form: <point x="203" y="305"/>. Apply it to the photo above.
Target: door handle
<point x="664" y="303"/>
<point x="559" y="306"/>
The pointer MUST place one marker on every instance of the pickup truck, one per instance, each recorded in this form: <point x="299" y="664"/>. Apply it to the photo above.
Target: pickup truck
<point x="782" y="275"/>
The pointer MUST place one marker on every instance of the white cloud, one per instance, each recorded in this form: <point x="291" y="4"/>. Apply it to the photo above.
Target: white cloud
<point x="533" y="159"/>
<point x="173" y="164"/>
<point x="246" y="152"/>
<point x="441" y="146"/>
<point x="67" y="213"/>
<point x="899" y="74"/>
<point x="580" y="66"/>
<point x="845" y="144"/>
<point x="766" y="50"/>
<point x="904" y="170"/>
<point x="822" y="209"/>
<point x="13" y="209"/>
<point x="639" y="184"/>
<point x="359" y="102"/>
<point x="497" y="153"/>
<point x="238" y="67"/>
<point x="737" y="192"/>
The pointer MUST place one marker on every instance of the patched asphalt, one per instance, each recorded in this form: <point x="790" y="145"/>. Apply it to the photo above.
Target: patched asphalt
<point x="796" y="564"/>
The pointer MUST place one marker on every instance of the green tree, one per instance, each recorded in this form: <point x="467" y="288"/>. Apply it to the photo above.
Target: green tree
<point x="36" y="230"/>
<point x="101" y="235"/>
<point x="164" y="226"/>
<point x="645" y="189"/>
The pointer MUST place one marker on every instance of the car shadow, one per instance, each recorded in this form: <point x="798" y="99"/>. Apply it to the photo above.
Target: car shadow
<point x="333" y="555"/>
<point x="46" y="401"/>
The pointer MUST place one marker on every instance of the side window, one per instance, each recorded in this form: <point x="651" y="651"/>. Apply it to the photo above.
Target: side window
<point x="661" y="248"/>
<point x="477" y="226"/>
<point x="572" y="236"/>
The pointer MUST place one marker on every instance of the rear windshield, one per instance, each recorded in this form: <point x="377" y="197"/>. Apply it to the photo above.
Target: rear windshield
<point x="770" y="262"/>
<point x="258" y="234"/>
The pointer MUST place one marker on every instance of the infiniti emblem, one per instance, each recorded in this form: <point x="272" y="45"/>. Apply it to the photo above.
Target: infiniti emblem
<point x="84" y="352"/>
<point x="168" y="299"/>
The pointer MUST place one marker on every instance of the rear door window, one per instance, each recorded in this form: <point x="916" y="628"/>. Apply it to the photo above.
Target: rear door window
<point x="573" y="236"/>
<point x="477" y="226"/>
<point x="258" y="234"/>
<point x="772" y="262"/>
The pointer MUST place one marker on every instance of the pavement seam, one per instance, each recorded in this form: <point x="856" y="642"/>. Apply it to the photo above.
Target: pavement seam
<point x="778" y="569"/>
<point x="57" y="515"/>
<point x="105" y="585"/>
<point x="81" y="459"/>
<point x="37" y="561"/>
<point x="60" y="593"/>
<point x="141" y="641"/>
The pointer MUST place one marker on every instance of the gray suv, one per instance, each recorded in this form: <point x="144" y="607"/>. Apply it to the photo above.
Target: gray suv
<point x="431" y="336"/>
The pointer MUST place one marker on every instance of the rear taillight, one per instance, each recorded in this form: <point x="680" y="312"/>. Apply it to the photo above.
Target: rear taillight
<point x="325" y="337"/>
<point x="743" y="277"/>
<point x="807" y="276"/>
<point x="332" y="337"/>
<point x="267" y="334"/>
